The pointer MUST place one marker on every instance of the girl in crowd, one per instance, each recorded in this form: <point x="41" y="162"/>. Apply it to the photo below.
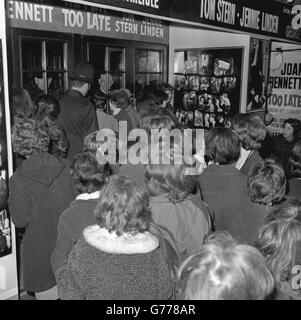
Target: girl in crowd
<point x="294" y="172"/>
<point x="251" y="131"/>
<point x="118" y="258"/>
<point x="89" y="176"/>
<point x="119" y="102"/>
<point x="152" y="121"/>
<point x="280" y="243"/>
<point x="173" y="206"/>
<point x="46" y="111"/>
<point x="39" y="191"/>
<point x="22" y="105"/>
<point x="224" y="270"/>
<point x="283" y="144"/>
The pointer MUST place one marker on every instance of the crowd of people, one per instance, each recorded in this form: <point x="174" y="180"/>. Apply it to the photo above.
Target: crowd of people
<point x="106" y="231"/>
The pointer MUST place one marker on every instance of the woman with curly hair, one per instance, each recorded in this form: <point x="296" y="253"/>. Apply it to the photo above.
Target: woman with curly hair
<point x="118" y="257"/>
<point x="46" y="111"/>
<point x="22" y="105"/>
<point x="39" y="191"/>
<point x="294" y="172"/>
<point x="279" y="241"/>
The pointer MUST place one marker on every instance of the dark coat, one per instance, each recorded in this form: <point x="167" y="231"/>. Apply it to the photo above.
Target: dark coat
<point x="130" y="116"/>
<point x="71" y="225"/>
<point x="224" y="189"/>
<point x="40" y="190"/>
<point x="253" y="158"/>
<point x="78" y="118"/>
<point x="281" y="150"/>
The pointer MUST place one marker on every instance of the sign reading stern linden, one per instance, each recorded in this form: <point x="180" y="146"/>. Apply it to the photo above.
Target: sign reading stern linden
<point x="127" y="26"/>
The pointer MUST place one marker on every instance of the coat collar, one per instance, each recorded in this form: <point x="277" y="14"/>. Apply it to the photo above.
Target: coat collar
<point x="215" y="169"/>
<point x="103" y="240"/>
<point x="88" y="196"/>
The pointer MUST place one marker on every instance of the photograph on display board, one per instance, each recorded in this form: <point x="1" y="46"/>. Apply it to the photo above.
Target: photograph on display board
<point x="5" y="227"/>
<point x="210" y="85"/>
<point x="258" y="74"/>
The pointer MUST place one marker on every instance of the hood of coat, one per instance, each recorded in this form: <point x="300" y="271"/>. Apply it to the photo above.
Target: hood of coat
<point x="103" y="240"/>
<point x="43" y="168"/>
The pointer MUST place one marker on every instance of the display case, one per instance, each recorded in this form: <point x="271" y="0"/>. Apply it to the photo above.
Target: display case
<point x="207" y="86"/>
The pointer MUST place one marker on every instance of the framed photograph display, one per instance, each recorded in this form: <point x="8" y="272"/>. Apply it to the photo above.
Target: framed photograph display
<point x="207" y="84"/>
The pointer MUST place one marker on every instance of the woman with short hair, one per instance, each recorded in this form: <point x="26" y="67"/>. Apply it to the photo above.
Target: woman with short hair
<point x="225" y="270"/>
<point x="279" y="241"/>
<point x="39" y="191"/>
<point x="251" y="132"/>
<point x="224" y="187"/>
<point x="118" y="258"/>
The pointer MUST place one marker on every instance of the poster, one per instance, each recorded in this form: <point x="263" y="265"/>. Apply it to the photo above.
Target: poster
<point x="285" y="81"/>
<point x="258" y="74"/>
<point x="5" y="228"/>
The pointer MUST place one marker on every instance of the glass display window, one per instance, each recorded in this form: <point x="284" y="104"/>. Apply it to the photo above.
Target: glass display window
<point x="148" y="68"/>
<point x="207" y="84"/>
<point x="44" y="65"/>
<point x="109" y="63"/>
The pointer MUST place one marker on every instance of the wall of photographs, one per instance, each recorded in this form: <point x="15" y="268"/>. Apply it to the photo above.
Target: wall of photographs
<point x="207" y="86"/>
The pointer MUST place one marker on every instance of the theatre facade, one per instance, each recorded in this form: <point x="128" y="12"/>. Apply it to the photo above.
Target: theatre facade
<point x="221" y="57"/>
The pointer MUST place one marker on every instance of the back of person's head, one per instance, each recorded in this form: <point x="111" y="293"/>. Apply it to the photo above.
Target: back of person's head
<point x="169" y="174"/>
<point x="279" y="239"/>
<point x="222" y="146"/>
<point x="147" y="106"/>
<point x="22" y="105"/>
<point x="294" y="162"/>
<point x="29" y="137"/>
<point x="87" y="173"/>
<point x="296" y="125"/>
<point x="47" y="107"/>
<point x="266" y="182"/>
<point x="123" y="206"/>
<point x="251" y="131"/>
<point x="225" y="270"/>
<point x="157" y="121"/>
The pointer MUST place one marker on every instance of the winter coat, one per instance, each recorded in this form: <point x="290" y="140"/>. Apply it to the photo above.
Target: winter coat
<point x="104" y="266"/>
<point x="39" y="191"/>
<point x="188" y="221"/>
<point x="224" y="189"/>
<point x="71" y="225"/>
<point x="78" y="119"/>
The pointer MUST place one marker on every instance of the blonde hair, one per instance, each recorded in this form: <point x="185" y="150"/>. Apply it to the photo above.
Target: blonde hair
<point x="225" y="270"/>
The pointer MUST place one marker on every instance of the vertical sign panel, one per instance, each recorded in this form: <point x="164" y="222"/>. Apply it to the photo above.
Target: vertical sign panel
<point x="8" y="268"/>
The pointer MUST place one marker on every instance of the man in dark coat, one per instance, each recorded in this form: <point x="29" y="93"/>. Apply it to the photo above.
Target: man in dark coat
<point x="78" y="117"/>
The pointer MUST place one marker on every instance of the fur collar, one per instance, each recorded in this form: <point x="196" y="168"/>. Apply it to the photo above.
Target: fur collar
<point x="88" y="196"/>
<point x="101" y="239"/>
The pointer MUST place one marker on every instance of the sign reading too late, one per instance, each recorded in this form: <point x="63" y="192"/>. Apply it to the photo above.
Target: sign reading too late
<point x="29" y="15"/>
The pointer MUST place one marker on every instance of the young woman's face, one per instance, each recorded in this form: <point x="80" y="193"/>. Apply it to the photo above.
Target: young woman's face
<point x="288" y="132"/>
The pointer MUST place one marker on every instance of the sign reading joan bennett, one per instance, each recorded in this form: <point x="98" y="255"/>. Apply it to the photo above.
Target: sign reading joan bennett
<point x="285" y="81"/>
<point x="130" y="27"/>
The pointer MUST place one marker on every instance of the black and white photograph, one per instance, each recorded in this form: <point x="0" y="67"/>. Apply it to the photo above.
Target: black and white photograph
<point x="150" y="150"/>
